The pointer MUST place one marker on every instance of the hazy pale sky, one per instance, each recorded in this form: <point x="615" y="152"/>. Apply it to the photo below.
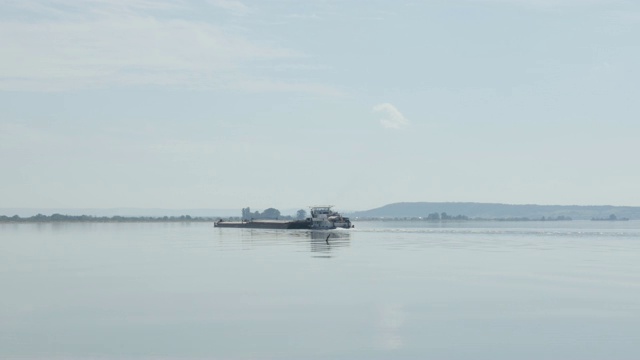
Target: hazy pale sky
<point x="226" y="104"/>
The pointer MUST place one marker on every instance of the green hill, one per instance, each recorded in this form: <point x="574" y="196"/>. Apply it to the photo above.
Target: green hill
<point x="499" y="211"/>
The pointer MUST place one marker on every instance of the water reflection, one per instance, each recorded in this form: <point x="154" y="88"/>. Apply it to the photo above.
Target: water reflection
<point x="322" y="243"/>
<point x="391" y="318"/>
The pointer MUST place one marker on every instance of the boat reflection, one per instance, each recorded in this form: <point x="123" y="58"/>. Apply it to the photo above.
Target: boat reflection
<point x="322" y="243"/>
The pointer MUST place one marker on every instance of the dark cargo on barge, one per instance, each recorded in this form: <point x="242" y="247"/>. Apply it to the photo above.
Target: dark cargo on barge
<point x="322" y="218"/>
<point x="265" y="224"/>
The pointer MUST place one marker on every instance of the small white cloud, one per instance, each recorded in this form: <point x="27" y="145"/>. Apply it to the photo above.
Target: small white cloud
<point x="233" y="6"/>
<point x="392" y="118"/>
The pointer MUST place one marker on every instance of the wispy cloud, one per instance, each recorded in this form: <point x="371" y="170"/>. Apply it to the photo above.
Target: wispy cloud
<point x="629" y="17"/>
<point x="19" y="136"/>
<point x="234" y="6"/>
<point x="59" y="45"/>
<point x="303" y="16"/>
<point x="132" y="49"/>
<point x="73" y="8"/>
<point x="267" y="85"/>
<point x="547" y="4"/>
<point x="391" y="118"/>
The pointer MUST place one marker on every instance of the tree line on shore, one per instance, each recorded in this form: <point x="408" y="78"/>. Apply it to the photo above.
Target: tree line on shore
<point x="88" y="218"/>
<point x="270" y="213"/>
<point x="435" y="216"/>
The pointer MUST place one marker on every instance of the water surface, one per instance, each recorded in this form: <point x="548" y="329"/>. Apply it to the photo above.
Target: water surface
<point x="470" y="290"/>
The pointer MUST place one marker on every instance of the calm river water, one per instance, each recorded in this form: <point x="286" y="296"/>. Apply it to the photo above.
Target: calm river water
<point x="384" y="290"/>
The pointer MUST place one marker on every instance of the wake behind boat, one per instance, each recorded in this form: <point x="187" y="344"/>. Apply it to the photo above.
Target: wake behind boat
<point x="322" y="218"/>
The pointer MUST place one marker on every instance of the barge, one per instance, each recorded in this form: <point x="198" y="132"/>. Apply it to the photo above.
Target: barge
<point x="322" y="218"/>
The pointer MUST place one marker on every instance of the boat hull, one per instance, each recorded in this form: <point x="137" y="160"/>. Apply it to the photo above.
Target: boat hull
<point x="265" y="224"/>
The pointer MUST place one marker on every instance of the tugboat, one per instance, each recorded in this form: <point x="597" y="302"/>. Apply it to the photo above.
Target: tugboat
<point x="322" y="218"/>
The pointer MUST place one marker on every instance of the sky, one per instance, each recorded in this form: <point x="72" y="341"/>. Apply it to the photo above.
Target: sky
<point x="287" y="104"/>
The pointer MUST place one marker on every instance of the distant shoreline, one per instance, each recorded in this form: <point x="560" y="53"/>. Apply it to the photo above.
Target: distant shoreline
<point x="476" y="213"/>
<point x="449" y="211"/>
<point x="58" y="218"/>
<point x="499" y="211"/>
